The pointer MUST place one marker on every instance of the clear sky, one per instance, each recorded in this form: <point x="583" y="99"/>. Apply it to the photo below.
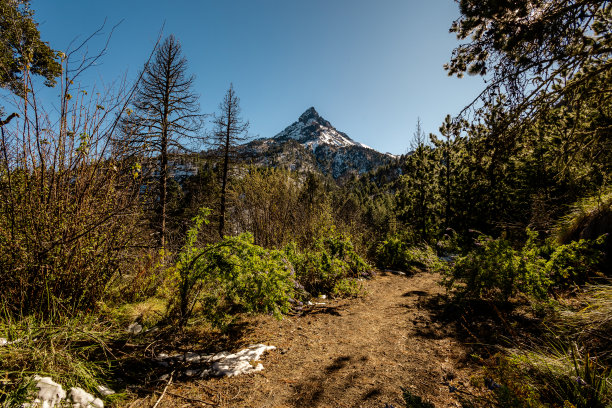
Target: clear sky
<point x="370" y="67"/>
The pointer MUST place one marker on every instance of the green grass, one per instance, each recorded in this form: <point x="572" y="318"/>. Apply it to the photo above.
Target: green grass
<point x="74" y="352"/>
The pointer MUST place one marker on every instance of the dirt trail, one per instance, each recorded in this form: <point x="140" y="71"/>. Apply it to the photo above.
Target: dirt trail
<point x="347" y="353"/>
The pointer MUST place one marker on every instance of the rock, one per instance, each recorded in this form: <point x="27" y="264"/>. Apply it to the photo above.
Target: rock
<point x="105" y="391"/>
<point x="134" y="328"/>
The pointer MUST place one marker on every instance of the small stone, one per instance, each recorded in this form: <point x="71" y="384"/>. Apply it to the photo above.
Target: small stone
<point x="105" y="391"/>
<point x="134" y="328"/>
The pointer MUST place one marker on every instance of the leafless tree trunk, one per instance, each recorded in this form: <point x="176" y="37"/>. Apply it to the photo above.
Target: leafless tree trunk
<point x="230" y="129"/>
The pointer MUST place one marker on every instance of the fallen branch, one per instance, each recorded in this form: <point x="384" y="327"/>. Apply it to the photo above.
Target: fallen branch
<point x="164" y="392"/>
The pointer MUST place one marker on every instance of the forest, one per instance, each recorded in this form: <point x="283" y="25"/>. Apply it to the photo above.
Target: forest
<point x="131" y="226"/>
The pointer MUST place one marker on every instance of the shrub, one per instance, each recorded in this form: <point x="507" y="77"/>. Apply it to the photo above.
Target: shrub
<point x="589" y="218"/>
<point x="574" y="262"/>
<point x="332" y="266"/>
<point x="494" y="269"/>
<point x="394" y="253"/>
<point x="231" y="276"/>
<point x="69" y="212"/>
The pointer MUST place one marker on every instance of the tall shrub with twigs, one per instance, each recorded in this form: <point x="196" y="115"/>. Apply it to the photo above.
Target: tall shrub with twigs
<point x="68" y="210"/>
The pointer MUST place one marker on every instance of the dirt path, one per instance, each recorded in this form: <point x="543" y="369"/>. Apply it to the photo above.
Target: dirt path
<point x="348" y="353"/>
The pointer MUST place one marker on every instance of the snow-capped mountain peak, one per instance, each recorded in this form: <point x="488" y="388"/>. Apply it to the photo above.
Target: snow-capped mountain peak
<point x="311" y="130"/>
<point x="313" y="144"/>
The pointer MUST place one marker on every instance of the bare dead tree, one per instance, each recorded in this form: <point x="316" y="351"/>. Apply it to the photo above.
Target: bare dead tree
<point x="230" y="130"/>
<point x="165" y="117"/>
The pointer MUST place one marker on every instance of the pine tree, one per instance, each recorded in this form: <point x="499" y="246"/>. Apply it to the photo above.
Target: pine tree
<point x="165" y="115"/>
<point x="230" y="130"/>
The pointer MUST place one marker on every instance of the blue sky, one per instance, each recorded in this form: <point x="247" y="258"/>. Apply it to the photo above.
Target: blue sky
<point x="370" y="67"/>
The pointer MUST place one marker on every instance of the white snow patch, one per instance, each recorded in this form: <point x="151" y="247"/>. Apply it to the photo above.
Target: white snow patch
<point x="82" y="399"/>
<point x="5" y="342"/>
<point x="242" y="362"/>
<point x="191" y="357"/>
<point x="49" y="393"/>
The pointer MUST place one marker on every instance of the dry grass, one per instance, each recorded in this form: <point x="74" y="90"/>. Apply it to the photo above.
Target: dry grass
<point x="73" y="352"/>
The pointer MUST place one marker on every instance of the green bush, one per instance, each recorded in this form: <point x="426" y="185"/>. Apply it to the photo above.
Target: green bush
<point x="573" y="263"/>
<point x="494" y="269"/>
<point x="231" y="276"/>
<point x="332" y="266"/>
<point x="394" y="253"/>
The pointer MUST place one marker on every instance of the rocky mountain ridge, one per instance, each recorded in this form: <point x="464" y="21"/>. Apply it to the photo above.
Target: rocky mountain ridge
<point x="313" y="144"/>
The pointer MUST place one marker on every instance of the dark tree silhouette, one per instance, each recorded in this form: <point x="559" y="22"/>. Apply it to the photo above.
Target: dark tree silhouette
<point x="230" y="130"/>
<point x="165" y="116"/>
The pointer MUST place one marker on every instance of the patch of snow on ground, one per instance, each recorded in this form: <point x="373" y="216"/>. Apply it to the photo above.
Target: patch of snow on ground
<point x="6" y="342"/>
<point x="49" y="393"/>
<point x="82" y="399"/>
<point x="242" y="362"/>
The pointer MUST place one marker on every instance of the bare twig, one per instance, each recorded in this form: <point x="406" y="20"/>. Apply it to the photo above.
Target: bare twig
<point x="165" y="390"/>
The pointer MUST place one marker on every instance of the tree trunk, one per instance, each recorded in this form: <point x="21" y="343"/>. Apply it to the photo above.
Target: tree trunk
<point x="163" y="190"/>
<point x="224" y="184"/>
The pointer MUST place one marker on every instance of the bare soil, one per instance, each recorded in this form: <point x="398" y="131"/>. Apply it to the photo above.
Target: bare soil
<point x="346" y="353"/>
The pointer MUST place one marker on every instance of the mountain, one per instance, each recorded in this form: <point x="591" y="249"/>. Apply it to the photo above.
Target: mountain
<point x="313" y="144"/>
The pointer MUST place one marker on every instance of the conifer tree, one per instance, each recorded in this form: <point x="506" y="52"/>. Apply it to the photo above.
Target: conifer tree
<point x="164" y="117"/>
<point x="230" y="130"/>
<point x="21" y="47"/>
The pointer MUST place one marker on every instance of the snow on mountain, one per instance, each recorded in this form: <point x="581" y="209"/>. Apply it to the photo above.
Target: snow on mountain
<point x="311" y="130"/>
<point x="313" y="144"/>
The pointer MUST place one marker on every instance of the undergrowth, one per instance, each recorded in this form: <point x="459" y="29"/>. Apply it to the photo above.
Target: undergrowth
<point x="395" y="253"/>
<point x="494" y="269"/>
<point x="234" y="275"/>
<point x="74" y="352"/>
